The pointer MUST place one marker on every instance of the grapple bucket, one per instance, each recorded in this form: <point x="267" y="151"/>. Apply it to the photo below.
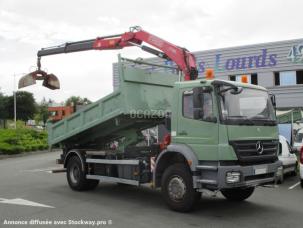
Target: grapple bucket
<point x="49" y="80"/>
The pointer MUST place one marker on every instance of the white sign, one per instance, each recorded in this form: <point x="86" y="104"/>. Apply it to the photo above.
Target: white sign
<point x="295" y="53"/>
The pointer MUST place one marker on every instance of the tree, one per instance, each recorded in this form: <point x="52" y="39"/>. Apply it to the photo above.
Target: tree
<point x="3" y="107"/>
<point x="76" y="100"/>
<point x="26" y="107"/>
<point x="3" y="110"/>
<point x="42" y="112"/>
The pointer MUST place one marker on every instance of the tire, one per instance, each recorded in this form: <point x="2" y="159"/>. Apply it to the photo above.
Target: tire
<point x="281" y="178"/>
<point x="177" y="188"/>
<point x="301" y="183"/>
<point x="237" y="194"/>
<point x="295" y="172"/>
<point x="76" y="177"/>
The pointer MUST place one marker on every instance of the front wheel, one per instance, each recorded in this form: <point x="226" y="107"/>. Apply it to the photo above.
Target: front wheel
<point x="76" y="177"/>
<point x="177" y="188"/>
<point x="237" y="194"/>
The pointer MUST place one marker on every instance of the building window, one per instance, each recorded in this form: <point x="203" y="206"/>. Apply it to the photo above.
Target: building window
<point x="277" y="78"/>
<point x="232" y="78"/>
<point x="299" y="77"/>
<point x="252" y="78"/>
<point x="286" y="78"/>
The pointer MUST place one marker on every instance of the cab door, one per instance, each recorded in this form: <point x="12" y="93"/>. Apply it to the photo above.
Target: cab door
<point x="198" y="122"/>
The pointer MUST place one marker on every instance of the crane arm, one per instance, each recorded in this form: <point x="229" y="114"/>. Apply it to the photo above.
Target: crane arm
<point x="135" y="37"/>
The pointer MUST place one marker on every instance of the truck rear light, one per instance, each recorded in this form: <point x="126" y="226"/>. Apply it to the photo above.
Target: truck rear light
<point x="165" y="142"/>
<point x="301" y="155"/>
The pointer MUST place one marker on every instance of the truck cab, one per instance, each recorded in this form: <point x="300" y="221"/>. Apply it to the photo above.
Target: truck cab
<point x="231" y="129"/>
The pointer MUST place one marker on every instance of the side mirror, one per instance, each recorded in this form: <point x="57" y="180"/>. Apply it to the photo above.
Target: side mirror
<point x="167" y="121"/>
<point x="292" y="150"/>
<point x="236" y="90"/>
<point x="198" y="103"/>
<point x="273" y="100"/>
<point x="212" y="119"/>
<point x="198" y="114"/>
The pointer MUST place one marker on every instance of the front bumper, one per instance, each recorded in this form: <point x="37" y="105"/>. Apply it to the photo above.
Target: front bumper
<point x="215" y="177"/>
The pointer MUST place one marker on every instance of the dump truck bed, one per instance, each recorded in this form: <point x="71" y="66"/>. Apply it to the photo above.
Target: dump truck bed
<point x="142" y="99"/>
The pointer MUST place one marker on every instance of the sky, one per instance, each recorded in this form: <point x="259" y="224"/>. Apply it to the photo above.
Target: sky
<point x="27" y="26"/>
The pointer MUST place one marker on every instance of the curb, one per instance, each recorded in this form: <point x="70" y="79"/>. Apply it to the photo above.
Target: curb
<point x="23" y="154"/>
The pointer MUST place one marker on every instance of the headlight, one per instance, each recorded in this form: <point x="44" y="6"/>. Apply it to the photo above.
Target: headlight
<point x="233" y="177"/>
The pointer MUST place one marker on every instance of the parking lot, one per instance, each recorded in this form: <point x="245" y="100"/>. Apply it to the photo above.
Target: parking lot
<point x="30" y="194"/>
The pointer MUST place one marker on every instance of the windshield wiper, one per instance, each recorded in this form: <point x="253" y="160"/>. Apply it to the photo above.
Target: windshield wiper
<point x="241" y="120"/>
<point x="235" y="90"/>
<point x="230" y="86"/>
<point x="264" y="121"/>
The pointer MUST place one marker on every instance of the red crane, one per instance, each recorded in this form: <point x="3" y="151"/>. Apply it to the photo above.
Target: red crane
<point x="184" y="59"/>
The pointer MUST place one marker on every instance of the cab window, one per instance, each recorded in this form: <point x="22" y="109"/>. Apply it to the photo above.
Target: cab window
<point x="188" y="110"/>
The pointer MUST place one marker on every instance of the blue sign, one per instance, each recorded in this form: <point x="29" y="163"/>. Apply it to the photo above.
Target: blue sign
<point x="263" y="59"/>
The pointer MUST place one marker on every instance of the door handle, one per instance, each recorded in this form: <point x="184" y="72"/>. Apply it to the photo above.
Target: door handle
<point x="183" y="133"/>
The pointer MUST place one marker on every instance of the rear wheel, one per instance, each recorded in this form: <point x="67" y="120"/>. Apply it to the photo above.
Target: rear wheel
<point x="177" y="188"/>
<point x="237" y="194"/>
<point x="76" y="176"/>
<point x="294" y="172"/>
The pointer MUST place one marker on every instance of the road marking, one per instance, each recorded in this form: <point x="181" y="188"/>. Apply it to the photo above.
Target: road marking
<point x="23" y="202"/>
<point x="295" y="185"/>
<point x="47" y="170"/>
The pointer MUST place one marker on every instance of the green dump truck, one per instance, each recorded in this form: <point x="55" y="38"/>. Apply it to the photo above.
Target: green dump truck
<point x="222" y="136"/>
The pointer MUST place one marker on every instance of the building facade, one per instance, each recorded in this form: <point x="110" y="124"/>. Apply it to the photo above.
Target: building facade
<point x="278" y="66"/>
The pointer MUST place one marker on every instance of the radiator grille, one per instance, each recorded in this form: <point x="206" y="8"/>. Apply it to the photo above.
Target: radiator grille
<point x="256" y="151"/>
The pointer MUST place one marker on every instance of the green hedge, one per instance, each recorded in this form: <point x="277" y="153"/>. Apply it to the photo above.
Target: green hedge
<point x="22" y="140"/>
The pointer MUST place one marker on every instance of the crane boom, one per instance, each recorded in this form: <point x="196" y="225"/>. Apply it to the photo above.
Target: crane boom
<point x="184" y="59"/>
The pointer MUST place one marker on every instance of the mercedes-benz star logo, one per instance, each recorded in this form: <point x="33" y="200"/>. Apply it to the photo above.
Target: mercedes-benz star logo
<point x="259" y="147"/>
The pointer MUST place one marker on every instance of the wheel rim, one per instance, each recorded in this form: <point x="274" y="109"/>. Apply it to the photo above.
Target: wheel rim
<point x="176" y="188"/>
<point x="74" y="174"/>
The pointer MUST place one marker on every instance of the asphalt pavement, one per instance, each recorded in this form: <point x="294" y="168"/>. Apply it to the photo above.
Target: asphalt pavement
<point x="33" y="197"/>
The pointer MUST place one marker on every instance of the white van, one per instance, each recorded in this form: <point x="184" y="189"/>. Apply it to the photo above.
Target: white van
<point x="301" y="166"/>
<point x="298" y="141"/>
<point x="288" y="158"/>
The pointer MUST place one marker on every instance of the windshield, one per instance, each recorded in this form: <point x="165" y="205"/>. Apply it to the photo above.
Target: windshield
<point x="251" y="105"/>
